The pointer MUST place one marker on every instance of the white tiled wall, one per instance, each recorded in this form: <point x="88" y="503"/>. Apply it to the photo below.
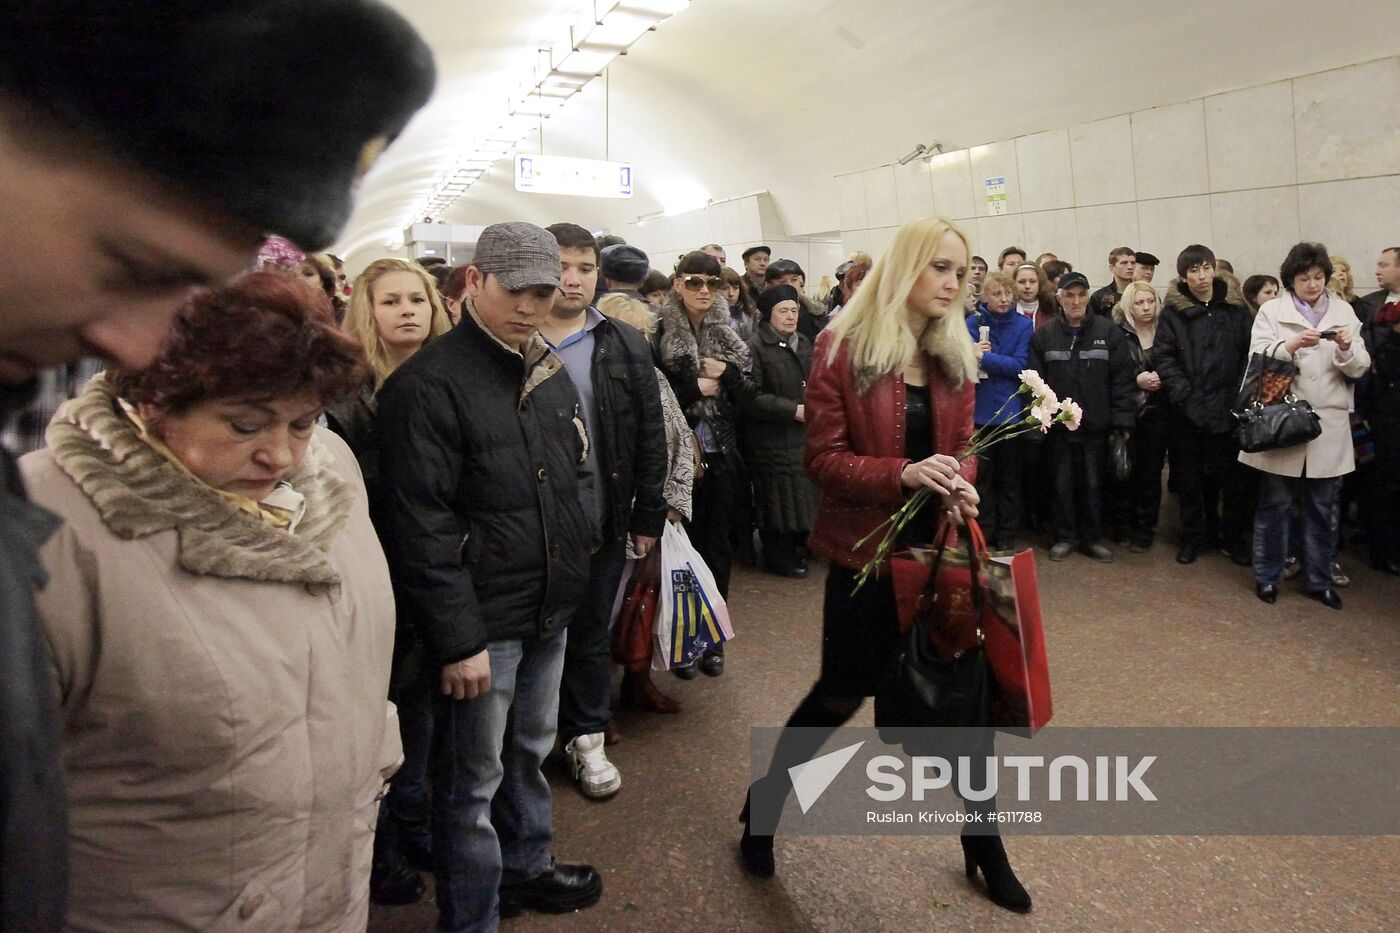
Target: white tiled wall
<point x="1248" y="172"/>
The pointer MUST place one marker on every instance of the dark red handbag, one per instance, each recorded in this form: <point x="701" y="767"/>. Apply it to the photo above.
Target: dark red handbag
<point x="1013" y="633"/>
<point x="635" y="617"/>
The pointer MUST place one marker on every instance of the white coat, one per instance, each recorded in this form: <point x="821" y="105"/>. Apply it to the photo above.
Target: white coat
<point x="1321" y="382"/>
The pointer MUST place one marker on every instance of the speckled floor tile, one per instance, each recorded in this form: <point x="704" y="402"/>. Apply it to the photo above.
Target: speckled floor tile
<point x="1142" y="641"/>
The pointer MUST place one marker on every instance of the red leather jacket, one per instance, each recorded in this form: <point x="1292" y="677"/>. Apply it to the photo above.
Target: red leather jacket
<point x="855" y="448"/>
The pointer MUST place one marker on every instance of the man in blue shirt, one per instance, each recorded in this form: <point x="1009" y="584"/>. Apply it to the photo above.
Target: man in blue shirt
<point x="611" y="365"/>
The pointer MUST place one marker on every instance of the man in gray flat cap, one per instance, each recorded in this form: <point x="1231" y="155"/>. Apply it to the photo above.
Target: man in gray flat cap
<point x="483" y="471"/>
<point x="148" y="145"/>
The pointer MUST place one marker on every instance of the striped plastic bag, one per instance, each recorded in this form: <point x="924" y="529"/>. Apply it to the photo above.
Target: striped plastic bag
<point x="693" y="616"/>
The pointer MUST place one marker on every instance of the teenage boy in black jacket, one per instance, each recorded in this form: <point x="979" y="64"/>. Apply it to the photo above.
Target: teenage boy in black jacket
<point x="610" y="364"/>
<point x="482" y="453"/>
<point x="1085" y="357"/>
<point x="1201" y="350"/>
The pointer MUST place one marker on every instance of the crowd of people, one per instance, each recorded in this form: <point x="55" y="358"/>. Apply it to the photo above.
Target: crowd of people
<point x="304" y="579"/>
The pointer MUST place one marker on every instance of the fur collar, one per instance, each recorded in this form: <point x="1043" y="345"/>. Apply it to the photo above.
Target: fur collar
<point x="1227" y="289"/>
<point x="681" y="348"/>
<point x="138" y="493"/>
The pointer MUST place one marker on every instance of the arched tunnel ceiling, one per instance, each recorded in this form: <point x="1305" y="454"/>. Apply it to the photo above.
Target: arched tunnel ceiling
<point x="731" y="96"/>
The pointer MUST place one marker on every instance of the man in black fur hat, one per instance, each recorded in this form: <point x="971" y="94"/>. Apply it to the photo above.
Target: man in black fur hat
<point x="152" y="145"/>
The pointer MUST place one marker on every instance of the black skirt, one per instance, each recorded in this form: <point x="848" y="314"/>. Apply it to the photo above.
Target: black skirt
<point x="860" y="634"/>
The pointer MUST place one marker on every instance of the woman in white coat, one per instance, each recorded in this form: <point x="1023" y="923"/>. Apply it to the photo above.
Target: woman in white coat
<point x="1320" y="333"/>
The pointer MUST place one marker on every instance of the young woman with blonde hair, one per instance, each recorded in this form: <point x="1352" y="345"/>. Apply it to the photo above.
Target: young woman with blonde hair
<point x="394" y="311"/>
<point x="888" y="408"/>
<point x="1135" y="503"/>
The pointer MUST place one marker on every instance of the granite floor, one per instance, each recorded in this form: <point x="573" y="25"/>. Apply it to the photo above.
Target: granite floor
<point x="1143" y="641"/>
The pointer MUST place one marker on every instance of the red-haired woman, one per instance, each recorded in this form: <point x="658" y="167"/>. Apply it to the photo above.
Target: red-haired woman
<point x="220" y="620"/>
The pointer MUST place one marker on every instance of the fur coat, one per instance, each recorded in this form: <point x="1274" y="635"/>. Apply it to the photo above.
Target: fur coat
<point x="681" y="349"/>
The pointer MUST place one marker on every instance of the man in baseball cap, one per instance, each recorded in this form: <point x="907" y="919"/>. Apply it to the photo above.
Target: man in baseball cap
<point x="152" y="146"/>
<point x="482" y="448"/>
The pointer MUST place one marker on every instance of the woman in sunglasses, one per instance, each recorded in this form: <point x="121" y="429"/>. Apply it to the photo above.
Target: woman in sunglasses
<point x="705" y="361"/>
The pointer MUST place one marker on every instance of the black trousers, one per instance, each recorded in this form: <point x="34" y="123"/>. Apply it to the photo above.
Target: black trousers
<point x="711" y="522"/>
<point x="585" y="687"/>
<point x="783" y="548"/>
<point x="860" y="636"/>
<point x="999" y="484"/>
<point x="1381" y="494"/>
<point x="1037" y="482"/>
<point x="1139" y="500"/>
<point x="1077" y="460"/>
<point x="1211" y="485"/>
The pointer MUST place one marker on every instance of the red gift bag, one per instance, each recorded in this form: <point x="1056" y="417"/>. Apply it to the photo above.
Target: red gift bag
<point x="1012" y="628"/>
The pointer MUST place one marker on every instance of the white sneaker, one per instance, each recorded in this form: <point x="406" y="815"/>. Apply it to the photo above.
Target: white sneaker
<point x="588" y="763"/>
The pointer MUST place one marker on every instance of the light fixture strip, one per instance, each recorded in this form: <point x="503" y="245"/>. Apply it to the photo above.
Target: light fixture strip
<point x="591" y="48"/>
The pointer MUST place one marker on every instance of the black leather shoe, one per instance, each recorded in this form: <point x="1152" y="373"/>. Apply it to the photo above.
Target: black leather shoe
<point x="1268" y="592"/>
<point x="1241" y="556"/>
<point x="561" y="889"/>
<point x="687" y="671"/>
<point x="1187" y="553"/>
<point x="712" y="664"/>
<point x="1328" y="598"/>
<point x="393" y="881"/>
<point x="793" y="570"/>
<point x="1391" y="567"/>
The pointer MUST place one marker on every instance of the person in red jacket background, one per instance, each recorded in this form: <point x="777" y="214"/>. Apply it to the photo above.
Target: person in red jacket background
<point x="889" y="408"/>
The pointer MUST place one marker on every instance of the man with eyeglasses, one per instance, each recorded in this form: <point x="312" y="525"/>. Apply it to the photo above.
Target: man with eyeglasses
<point x="485" y="475"/>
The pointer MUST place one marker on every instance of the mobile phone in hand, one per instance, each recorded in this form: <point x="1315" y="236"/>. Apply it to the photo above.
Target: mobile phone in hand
<point x="1329" y="334"/>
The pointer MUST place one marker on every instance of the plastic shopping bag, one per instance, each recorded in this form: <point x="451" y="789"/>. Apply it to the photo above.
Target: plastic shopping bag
<point x="693" y="616"/>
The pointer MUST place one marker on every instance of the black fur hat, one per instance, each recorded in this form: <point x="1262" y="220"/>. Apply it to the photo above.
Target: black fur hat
<point x="268" y="111"/>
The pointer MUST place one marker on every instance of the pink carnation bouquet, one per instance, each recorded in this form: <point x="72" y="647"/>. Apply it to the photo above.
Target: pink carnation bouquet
<point x="1044" y="410"/>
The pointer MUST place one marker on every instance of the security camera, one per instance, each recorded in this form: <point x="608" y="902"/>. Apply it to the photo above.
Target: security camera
<point x="920" y="152"/>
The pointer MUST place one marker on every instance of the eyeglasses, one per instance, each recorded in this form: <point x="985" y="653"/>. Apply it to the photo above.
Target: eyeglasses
<point x="693" y="283"/>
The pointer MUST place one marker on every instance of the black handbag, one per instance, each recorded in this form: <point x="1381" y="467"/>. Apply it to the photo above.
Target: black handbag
<point x="1272" y="427"/>
<point x="922" y="690"/>
<point x="1270" y="416"/>
<point x="1120" y="456"/>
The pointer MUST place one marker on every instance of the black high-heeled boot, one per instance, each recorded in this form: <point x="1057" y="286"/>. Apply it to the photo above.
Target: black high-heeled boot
<point x="756" y="852"/>
<point x="988" y="854"/>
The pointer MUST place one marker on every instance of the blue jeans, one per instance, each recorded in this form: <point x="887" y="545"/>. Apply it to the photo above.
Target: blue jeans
<point x="1271" y="528"/>
<point x="492" y="813"/>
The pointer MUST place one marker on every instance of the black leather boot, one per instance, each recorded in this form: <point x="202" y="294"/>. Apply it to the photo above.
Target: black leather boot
<point x="756" y="852"/>
<point x="988" y="854"/>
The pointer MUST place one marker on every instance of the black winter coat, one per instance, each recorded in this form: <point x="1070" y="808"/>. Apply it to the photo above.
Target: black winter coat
<point x="1379" y="396"/>
<point x="1368" y="305"/>
<point x="481" y="455"/>
<point x="784" y="498"/>
<point x="1094" y="367"/>
<point x="1201" y="353"/>
<point x="33" y="815"/>
<point x="629" y="438"/>
<point x="1143" y="362"/>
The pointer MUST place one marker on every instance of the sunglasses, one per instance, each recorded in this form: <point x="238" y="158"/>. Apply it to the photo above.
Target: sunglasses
<point x="693" y="283"/>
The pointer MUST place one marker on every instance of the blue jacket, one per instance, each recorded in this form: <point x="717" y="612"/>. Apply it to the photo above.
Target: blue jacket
<point x="1011" y="339"/>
